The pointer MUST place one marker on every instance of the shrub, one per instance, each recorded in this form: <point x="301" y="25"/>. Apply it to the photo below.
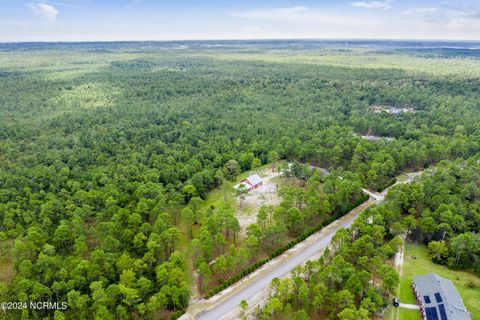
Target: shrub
<point x="177" y="314"/>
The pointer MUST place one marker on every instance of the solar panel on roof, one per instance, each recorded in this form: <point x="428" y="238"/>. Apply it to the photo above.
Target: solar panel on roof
<point x="438" y="297"/>
<point x="427" y="299"/>
<point x="443" y="313"/>
<point x="431" y="313"/>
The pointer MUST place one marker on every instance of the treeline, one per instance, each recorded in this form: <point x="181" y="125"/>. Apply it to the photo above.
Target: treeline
<point x="354" y="278"/>
<point x="279" y="251"/>
<point x="442" y="210"/>
<point x="218" y="257"/>
<point x="351" y="281"/>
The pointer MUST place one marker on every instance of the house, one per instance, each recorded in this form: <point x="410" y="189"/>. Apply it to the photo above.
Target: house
<point x="251" y="183"/>
<point x="438" y="298"/>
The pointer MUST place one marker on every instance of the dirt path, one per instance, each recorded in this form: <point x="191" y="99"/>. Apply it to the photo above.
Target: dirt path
<point x="399" y="257"/>
<point x="378" y="197"/>
<point x="409" y="306"/>
<point x="399" y="266"/>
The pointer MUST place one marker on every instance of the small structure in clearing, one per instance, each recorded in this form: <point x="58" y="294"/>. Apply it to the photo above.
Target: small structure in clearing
<point x="251" y="183"/>
<point x="376" y="138"/>
<point x="391" y="109"/>
<point x="438" y="298"/>
<point x="264" y="194"/>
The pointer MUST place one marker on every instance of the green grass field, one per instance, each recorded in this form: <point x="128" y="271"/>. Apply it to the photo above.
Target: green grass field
<point x="467" y="284"/>
<point x="408" y="314"/>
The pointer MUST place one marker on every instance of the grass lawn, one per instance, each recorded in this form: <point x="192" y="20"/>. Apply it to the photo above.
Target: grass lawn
<point x="408" y="314"/>
<point x="467" y="284"/>
<point x="401" y="313"/>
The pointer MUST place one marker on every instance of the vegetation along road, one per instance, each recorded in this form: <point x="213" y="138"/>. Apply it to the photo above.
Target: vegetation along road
<point x="253" y="288"/>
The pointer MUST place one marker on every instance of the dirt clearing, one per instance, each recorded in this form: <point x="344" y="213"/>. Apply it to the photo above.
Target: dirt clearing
<point x="266" y="194"/>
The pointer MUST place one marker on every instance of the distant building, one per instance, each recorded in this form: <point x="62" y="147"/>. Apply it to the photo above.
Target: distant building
<point x="392" y="109"/>
<point x="251" y="183"/>
<point x="438" y="298"/>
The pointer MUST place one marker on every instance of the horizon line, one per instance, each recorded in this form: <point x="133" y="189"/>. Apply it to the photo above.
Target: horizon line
<point x="242" y="39"/>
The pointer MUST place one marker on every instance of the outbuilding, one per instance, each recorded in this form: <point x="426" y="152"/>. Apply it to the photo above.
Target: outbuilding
<point x="251" y="183"/>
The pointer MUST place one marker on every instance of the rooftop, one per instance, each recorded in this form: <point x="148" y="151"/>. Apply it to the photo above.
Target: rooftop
<point x="254" y="179"/>
<point x="440" y="298"/>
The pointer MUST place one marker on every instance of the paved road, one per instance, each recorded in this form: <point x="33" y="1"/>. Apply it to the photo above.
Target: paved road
<point x="409" y="306"/>
<point x="223" y="305"/>
<point x="297" y="258"/>
<point x="378" y="197"/>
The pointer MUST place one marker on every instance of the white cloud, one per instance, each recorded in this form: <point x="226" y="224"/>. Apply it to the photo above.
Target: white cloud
<point x="299" y="15"/>
<point x="463" y="21"/>
<point x="435" y="22"/>
<point x="368" y="19"/>
<point x="448" y="19"/>
<point x="292" y="13"/>
<point x="373" y="4"/>
<point x="420" y="11"/>
<point x="44" y="10"/>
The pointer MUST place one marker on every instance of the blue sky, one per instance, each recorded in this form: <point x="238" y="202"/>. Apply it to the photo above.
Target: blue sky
<point x="89" y="20"/>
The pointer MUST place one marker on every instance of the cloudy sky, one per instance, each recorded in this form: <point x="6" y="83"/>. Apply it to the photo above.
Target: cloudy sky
<point x="85" y="20"/>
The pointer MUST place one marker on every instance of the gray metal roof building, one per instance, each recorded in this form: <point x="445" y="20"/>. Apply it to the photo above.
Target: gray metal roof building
<point x="438" y="298"/>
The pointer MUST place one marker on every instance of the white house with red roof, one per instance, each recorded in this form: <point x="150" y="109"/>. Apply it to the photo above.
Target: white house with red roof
<point x="251" y="183"/>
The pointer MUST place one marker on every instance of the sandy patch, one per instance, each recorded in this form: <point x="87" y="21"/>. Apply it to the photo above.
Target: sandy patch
<point x="376" y="138"/>
<point x="266" y="194"/>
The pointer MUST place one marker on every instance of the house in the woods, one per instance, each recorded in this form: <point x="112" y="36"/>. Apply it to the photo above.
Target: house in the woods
<point x="438" y="298"/>
<point x="251" y="183"/>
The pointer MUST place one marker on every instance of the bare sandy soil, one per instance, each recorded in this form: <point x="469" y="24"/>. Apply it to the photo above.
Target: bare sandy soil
<point x="376" y="138"/>
<point x="266" y="194"/>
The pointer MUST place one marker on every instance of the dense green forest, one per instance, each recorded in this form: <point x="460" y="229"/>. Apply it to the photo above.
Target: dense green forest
<point x="354" y="279"/>
<point x="446" y="210"/>
<point x="109" y="151"/>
